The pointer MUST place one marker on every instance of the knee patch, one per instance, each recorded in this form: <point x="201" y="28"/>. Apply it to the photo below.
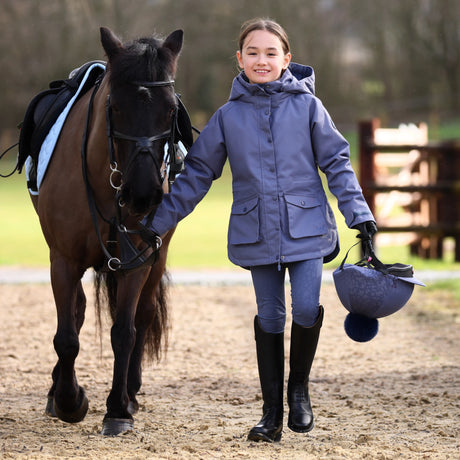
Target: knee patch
<point x="272" y="325"/>
<point x="306" y="317"/>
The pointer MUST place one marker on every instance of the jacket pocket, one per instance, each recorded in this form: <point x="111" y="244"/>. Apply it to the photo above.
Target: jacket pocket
<point x="244" y="227"/>
<point x="306" y="218"/>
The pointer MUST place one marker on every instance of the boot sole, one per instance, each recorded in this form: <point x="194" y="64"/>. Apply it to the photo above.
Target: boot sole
<point x="301" y="429"/>
<point x="256" y="437"/>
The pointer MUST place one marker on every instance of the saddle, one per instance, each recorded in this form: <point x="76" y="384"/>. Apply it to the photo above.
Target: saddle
<point x="44" y="109"/>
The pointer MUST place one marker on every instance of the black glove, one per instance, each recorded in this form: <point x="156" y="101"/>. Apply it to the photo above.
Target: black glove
<point x="149" y="236"/>
<point x="366" y="231"/>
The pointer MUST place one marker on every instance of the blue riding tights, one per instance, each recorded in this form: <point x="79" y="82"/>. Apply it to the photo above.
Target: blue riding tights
<point x="305" y="279"/>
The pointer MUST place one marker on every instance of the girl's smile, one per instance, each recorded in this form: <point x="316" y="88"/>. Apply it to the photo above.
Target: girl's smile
<point x="262" y="57"/>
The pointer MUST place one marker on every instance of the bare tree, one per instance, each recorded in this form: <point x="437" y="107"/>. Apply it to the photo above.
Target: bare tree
<point x="392" y="58"/>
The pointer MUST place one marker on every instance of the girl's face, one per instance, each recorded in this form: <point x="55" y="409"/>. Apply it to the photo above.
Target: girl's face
<point x="262" y="57"/>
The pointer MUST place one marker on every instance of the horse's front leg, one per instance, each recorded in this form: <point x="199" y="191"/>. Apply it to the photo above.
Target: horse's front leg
<point x="152" y="322"/>
<point x="80" y="318"/>
<point x="70" y="403"/>
<point x="151" y="327"/>
<point x="118" y="418"/>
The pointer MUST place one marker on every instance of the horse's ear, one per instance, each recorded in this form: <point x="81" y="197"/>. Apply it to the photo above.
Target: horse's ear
<point x="110" y="42"/>
<point x="174" y="41"/>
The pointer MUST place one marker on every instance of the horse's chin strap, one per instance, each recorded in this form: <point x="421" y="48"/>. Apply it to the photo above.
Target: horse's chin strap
<point x="135" y="259"/>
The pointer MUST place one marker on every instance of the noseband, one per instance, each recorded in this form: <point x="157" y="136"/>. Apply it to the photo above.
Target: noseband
<point x="143" y="144"/>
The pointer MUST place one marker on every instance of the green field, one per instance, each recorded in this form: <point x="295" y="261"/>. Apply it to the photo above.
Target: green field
<point x="199" y="242"/>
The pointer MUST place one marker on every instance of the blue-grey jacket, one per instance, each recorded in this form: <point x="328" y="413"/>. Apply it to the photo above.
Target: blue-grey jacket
<point x="275" y="136"/>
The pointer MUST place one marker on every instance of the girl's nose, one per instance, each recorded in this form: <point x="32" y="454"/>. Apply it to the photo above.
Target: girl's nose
<point x="261" y="58"/>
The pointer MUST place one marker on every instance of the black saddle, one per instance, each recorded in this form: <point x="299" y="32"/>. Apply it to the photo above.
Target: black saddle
<point x="44" y="109"/>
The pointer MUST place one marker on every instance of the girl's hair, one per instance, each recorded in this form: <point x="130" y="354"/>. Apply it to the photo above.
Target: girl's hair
<point x="264" y="24"/>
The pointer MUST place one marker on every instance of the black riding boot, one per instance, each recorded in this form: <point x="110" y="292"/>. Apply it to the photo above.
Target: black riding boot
<point x="270" y="360"/>
<point x="303" y="348"/>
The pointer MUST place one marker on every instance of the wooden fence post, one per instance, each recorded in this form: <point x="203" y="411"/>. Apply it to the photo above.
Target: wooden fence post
<point x="366" y="160"/>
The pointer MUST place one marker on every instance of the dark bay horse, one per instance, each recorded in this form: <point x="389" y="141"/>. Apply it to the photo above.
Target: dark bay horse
<point x="124" y="123"/>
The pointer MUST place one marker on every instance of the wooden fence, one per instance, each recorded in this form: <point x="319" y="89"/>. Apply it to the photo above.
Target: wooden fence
<point x="412" y="186"/>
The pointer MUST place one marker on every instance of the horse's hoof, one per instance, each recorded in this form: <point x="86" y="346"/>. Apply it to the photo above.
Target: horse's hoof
<point x="74" y="416"/>
<point x="116" y="426"/>
<point x="50" y="407"/>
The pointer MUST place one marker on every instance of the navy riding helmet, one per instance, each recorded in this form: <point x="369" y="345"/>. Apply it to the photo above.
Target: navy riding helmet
<point x="369" y="290"/>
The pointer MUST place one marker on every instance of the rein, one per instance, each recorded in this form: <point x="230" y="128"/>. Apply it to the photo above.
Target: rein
<point x="136" y="259"/>
<point x="16" y="168"/>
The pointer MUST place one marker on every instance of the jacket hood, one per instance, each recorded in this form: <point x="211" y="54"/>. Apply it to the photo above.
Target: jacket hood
<point x="297" y="78"/>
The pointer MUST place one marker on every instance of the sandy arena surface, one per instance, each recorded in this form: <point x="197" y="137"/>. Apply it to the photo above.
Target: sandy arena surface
<point x="397" y="396"/>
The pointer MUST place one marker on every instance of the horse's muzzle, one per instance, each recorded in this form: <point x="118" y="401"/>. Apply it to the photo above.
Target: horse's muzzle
<point x="140" y="203"/>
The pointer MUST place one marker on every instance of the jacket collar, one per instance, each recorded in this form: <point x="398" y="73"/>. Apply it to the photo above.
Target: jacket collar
<point x="296" y="78"/>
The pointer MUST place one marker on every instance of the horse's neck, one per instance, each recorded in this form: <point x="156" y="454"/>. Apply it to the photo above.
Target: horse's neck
<point x="97" y="151"/>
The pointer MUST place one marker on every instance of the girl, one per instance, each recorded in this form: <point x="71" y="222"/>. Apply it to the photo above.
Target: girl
<point x="275" y="134"/>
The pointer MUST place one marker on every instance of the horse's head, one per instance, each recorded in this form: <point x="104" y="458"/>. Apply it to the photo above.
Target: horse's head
<point x="141" y="110"/>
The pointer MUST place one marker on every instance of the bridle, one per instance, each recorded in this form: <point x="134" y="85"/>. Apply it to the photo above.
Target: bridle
<point x="143" y="145"/>
<point x="135" y="258"/>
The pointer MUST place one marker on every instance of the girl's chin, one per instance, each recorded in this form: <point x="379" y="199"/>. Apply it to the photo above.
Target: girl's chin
<point x="261" y="79"/>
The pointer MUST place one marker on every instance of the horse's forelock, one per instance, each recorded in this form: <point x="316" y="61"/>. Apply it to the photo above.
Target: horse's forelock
<point x="125" y="66"/>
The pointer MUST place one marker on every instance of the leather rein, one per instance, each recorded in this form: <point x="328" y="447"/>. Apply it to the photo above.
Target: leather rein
<point x="131" y="257"/>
